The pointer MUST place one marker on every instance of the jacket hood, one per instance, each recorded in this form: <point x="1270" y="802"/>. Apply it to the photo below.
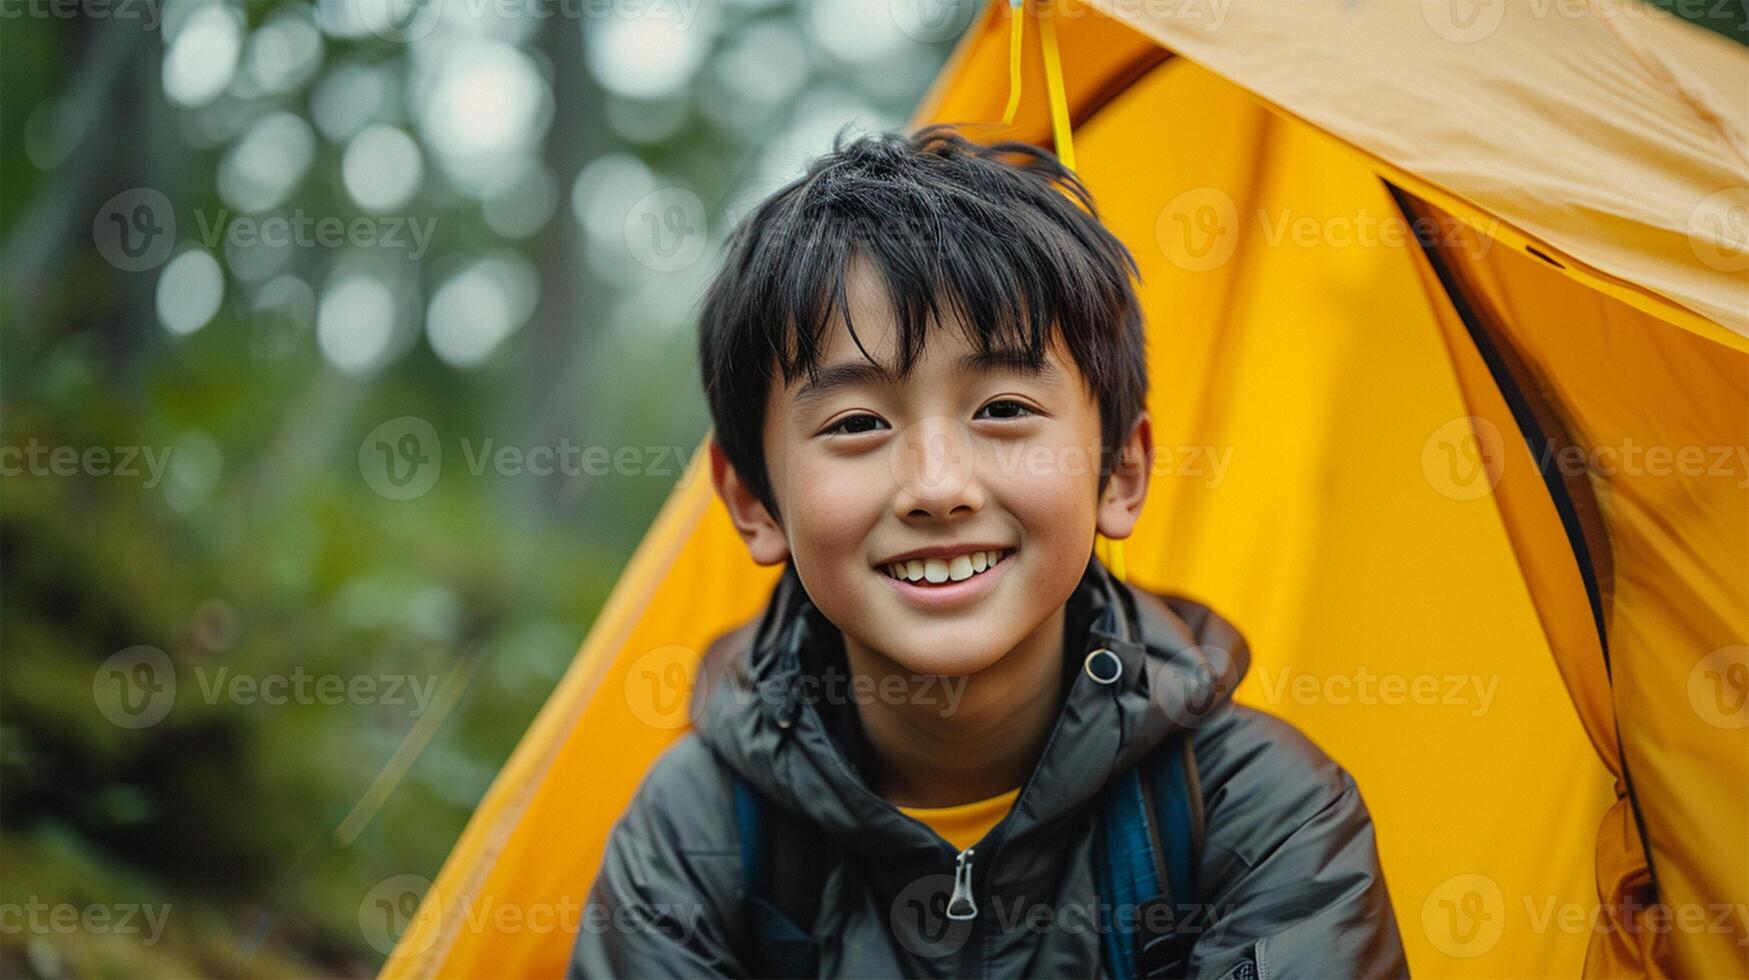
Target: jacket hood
<point x="1179" y="666"/>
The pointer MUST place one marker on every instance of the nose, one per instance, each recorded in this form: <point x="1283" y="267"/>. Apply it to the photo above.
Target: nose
<point x="935" y="472"/>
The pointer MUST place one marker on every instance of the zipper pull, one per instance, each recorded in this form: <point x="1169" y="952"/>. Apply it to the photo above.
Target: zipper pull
<point x="962" y="906"/>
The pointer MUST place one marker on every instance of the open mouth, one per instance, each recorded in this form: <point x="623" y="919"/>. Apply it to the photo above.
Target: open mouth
<point x="942" y="571"/>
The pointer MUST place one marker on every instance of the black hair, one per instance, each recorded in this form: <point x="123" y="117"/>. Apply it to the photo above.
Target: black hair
<point x="1004" y="235"/>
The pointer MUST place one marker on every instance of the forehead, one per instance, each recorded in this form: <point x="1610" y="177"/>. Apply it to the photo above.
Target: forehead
<point x="948" y="345"/>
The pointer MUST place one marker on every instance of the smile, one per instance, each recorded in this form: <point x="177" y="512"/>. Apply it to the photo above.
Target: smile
<point x="938" y="571"/>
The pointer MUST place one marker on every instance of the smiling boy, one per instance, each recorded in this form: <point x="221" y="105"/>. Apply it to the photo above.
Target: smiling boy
<point x="925" y="364"/>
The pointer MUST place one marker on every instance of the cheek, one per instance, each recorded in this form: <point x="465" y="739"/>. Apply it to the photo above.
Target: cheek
<point x="830" y="506"/>
<point x="1052" y="490"/>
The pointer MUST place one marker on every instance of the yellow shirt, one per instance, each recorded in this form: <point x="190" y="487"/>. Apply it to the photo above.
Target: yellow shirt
<point x="966" y="824"/>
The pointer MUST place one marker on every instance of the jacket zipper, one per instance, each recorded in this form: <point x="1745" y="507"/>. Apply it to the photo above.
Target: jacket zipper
<point x="962" y="905"/>
<point x="971" y="953"/>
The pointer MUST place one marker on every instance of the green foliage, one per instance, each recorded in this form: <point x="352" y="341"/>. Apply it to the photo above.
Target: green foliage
<point x="244" y="537"/>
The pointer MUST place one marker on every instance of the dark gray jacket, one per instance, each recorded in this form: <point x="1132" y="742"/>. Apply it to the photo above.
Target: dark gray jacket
<point x="1289" y="876"/>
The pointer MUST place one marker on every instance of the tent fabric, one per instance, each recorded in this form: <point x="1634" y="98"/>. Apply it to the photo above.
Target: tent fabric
<point x="1342" y="470"/>
<point x="1679" y="533"/>
<point x="1606" y="133"/>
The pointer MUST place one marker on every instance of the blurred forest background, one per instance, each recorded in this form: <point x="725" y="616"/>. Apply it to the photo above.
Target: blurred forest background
<point x="346" y="352"/>
<point x="303" y="302"/>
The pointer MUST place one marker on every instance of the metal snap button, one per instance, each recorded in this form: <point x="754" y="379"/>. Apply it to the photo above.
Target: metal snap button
<point x="1103" y="666"/>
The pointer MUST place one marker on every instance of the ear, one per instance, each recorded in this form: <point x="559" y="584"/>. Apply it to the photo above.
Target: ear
<point x="765" y="539"/>
<point x="1127" y="488"/>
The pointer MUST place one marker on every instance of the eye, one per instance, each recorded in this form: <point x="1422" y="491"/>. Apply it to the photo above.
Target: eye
<point x="1005" y="408"/>
<point x="855" y="425"/>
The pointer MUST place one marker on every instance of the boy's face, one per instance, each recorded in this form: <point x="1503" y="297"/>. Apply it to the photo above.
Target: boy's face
<point x="962" y="462"/>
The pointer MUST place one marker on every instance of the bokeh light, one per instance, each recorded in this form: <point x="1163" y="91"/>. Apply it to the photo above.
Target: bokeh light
<point x="189" y="291"/>
<point x="355" y="322"/>
<point x="487" y="106"/>
<point x="646" y="57"/>
<point x="264" y="167"/>
<point x="479" y="306"/>
<point x="203" y="53"/>
<point x="382" y="168"/>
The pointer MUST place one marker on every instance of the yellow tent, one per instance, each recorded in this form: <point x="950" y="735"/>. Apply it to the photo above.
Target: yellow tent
<point x="1476" y="493"/>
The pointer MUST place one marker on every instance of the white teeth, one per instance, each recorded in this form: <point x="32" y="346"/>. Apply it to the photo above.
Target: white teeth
<point x="938" y="570"/>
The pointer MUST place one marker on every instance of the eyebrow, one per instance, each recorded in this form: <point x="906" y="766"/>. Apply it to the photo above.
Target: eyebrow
<point x="1010" y="359"/>
<point x="851" y="374"/>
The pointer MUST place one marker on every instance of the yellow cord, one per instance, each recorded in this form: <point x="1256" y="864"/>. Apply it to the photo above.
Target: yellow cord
<point x="1016" y="29"/>
<point x="1110" y="554"/>
<point x="1047" y="26"/>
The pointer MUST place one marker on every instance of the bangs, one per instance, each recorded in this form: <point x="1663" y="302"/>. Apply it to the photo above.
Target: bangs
<point x="1008" y="261"/>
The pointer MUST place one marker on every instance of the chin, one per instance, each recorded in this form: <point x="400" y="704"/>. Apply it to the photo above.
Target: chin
<point x="947" y="652"/>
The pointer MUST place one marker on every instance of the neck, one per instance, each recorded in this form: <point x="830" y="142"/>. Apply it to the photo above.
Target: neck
<point x="986" y="741"/>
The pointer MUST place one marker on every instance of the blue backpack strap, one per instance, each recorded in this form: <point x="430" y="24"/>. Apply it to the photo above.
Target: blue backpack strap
<point x="750" y="827"/>
<point x="781" y="888"/>
<point x="1148" y="836"/>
